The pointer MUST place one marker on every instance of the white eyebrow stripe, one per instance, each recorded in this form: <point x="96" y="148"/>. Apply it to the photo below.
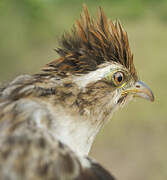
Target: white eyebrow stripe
<point x="84" y="80"/>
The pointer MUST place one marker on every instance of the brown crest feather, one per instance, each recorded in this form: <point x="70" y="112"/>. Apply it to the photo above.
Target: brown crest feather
<point x="91" y="43"/>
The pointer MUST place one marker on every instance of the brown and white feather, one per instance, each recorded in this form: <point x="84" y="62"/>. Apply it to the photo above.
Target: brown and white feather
<point x="48" y="120"/>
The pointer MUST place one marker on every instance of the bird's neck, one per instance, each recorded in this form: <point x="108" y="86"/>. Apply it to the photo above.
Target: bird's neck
<point x="77" y="115"/>
<point x="77" y="131"/>
<point x="77" y="134"/>
<point x="77" y="124"/>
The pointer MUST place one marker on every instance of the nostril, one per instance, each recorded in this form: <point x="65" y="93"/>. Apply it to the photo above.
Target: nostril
<point x="138" y="86"/>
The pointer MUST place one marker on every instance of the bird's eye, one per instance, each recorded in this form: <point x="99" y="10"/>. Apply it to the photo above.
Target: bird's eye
<point x="118" y="78"/>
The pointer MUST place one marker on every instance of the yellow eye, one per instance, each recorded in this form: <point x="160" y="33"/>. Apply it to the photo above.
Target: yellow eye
<point x="118" y="78"/>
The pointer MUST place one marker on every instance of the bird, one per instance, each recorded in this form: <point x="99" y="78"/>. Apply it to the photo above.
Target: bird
<point x="49" y="120"/>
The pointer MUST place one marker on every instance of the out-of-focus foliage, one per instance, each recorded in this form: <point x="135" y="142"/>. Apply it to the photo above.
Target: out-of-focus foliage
<point x="34" y="10"/>
<point x="134" y="144"/>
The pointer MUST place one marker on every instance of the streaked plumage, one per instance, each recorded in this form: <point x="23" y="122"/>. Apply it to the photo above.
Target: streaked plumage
<point x="49" y="120"/>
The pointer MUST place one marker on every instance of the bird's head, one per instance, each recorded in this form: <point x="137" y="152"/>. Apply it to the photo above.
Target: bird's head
<point x="96" y="56"/>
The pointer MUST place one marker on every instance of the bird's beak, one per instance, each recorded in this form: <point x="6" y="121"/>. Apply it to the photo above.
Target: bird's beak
<point x="140" y="89"/>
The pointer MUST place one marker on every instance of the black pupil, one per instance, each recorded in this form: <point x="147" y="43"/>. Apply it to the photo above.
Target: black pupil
<point x="119" y="78"/>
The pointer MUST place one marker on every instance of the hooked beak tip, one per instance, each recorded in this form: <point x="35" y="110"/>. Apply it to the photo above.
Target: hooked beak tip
<point x="140" y="90"/>
<point x="143" y="91"/>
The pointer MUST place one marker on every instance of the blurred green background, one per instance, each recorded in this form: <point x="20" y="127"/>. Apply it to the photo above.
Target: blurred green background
<point x="134" y="144"/>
